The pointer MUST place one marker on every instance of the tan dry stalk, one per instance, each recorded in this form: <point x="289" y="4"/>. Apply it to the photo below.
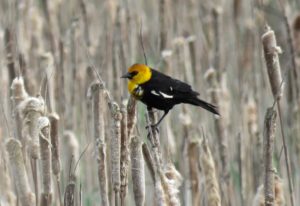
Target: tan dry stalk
<point x="271" y="51"/>
<point x="45" y="141"/>
<point x="211" y="182"/>
<point x="25" y="195"/>
<point x="296" y="35"/>
<point x="137" y="171"/>
<point x="149" y="161"/>
<point x="116" y="149"/>
<point x="259" y="199"/>
<point x="171" y="180"/>
<point x="160" y="196"/>
<point x="162" y="25"/>
<point x="269" y="137"/>
<point x="96" y="93"/>
<point x="131" y="115"/>
<point x="124" y="154"/>
<point x="193" y="154"/>
<point x="221" y="130"/>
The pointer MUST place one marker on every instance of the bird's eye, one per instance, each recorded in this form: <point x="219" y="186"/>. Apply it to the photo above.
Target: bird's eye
<point x="132" y="74"/>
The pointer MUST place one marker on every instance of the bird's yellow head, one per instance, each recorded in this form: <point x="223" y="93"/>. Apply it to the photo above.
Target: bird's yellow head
<point x="137" y="74"/>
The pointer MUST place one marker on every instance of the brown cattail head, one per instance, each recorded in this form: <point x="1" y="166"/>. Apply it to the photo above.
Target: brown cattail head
<point x="271" y="51"/>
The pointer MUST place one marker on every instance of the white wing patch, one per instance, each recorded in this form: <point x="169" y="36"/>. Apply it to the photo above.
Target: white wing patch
<point x="166" y="95"/>
<point x="154" y="92"/>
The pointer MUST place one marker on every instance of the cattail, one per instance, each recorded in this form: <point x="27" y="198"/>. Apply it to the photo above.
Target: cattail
<point x="269" y="136"/>
<point x="211" y="182"/>
<point x="25" y="195"/>
<point x="271" y="51"/>
<point x="69" y="197"/>
<point x="96" y="93"/>
<point x="160" y="196"/>
<point x="116" y="149"/>
<point x="137" y="171"/>
<point x="44" y="126"/>
<point x="31" y="109"/>
<point x="131" y="115"/>
<point x="56" y="164"/>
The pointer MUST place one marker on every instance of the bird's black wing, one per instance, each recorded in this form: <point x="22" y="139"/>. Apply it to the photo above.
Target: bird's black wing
<point x="166" y="87"/>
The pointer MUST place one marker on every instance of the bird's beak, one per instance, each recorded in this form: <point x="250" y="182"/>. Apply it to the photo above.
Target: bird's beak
<point x="127" y="76"/>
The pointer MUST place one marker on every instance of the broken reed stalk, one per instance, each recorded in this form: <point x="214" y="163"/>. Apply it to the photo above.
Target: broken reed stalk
<point x="271" y="51"/>
<point x="56" y="164"/>
<point x="31" y="109"/>
<point x="211" y="182"/>
<point x="269" y="136"/>
<point x="125" y="140"/>
<point x="96" y="92"/>
<point x="44" y="127"/>
<point x="137" y="171"/>
<point x="116" y="149"/>
<point x="25" y="195"/>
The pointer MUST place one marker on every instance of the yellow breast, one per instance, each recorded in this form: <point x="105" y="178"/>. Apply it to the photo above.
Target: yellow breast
<point x="135" y="90"/>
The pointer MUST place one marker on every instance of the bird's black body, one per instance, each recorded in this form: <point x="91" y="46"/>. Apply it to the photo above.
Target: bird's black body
<point x="163" y="92"/>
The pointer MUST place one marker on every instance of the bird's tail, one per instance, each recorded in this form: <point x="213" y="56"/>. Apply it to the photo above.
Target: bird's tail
<point x="205" y="105"/>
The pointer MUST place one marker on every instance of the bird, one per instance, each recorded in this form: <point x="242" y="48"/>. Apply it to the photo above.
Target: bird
<point x="160" y="91"/>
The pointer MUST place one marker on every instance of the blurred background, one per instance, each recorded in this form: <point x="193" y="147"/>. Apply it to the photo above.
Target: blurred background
<point x="61" y="47"/>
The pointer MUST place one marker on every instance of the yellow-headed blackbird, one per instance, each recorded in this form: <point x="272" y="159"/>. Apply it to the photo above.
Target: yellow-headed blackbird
<point x="160" y="91"/>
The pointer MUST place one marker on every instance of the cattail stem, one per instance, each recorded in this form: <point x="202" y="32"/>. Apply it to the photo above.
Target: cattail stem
<point x="269" y="136"/>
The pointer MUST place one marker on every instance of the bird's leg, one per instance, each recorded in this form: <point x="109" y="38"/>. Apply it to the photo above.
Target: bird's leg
<point x="155" y="126"/>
